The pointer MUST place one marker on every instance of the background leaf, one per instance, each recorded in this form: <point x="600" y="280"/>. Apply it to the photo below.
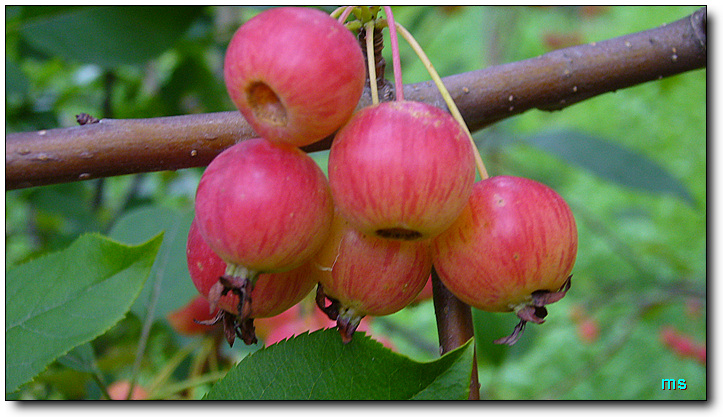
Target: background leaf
<point x="490" y="326"/>
<point x="170" y="269"/>
<point x="610" y="161"/>
<point x="68" y="298"/>
<point x="109" y="35"/>
<point x="16" y="82"/>
<point x="81" y="358"/>
<point x="317" y="366"/>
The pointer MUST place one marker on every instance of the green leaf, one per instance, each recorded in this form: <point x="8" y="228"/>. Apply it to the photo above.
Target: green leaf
<point x="109" y="35"/>
<point x="67" y="298"/>
<point x="15" y="80"/>
<point x="192" y="78"/>
<point x="488" y="327"/>
<point x="31" y="12"/>
<point x="318" y="366"/>
<point x="170" y="274"/>
<point x="81" y="358"/>
<point x="610" y="161"/>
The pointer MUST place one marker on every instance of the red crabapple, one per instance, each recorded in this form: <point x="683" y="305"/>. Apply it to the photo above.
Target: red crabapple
<point x="295" y="73"/>
<point x="365" y="275"/>
<point x="401" y="170"/>
<point x="512" y="249"/>
<point x="272" y="293"/>
<point x="262" y="207"/>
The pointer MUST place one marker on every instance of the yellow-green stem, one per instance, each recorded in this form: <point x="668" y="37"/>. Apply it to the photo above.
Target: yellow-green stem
<point x="171" y="366"/>
<point x="445" y="95"/>
<point x="369" y="29"/>
<point x="205" y="355"/>
<point x="193" y="382"/>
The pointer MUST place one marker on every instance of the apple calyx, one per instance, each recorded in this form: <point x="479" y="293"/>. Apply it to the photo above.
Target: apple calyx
<point x="534" y="311"/>
<point x="331" y="310"/>
<point x="347" y="319"/>
<point x="233" y="327"/>
<point x="399" y="233"/>
<point x="239" y="281"/>
<point x="347" y="323"/>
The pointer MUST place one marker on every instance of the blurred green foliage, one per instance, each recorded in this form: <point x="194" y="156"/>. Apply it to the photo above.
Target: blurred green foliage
<point x="642" y="262"/>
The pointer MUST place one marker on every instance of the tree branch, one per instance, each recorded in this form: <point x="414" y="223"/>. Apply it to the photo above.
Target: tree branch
<point x="454" y="326"/>
<point x="567" y="76"/>
<point x="549" y="82"/>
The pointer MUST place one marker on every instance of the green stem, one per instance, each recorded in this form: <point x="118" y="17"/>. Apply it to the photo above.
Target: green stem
<point x="371" y="64"/>
<point x="205" y="356"/>
<point x="172" y="364"/>
<point x="186" y="384"/>
<point x="396" y="61"/>
<point x="337" y="12"/>
<point x="148" y="320"/>
<point x="444" y="92"/>
<point x="98" y="378"/>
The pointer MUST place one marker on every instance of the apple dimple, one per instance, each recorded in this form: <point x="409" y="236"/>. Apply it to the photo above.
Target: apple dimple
<point x="266" y="105"/>
<point x="295" y="73"/>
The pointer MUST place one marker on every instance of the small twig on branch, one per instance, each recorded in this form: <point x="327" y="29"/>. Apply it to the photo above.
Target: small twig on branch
<point x="549" y="82"/>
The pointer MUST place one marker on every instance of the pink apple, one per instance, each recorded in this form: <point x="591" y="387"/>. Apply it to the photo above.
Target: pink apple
<point x="401" y="170"/>
<point x="272" y="294"/>
<point x="263" y="206"/>
<point x="295" y="73"/>
<point x="118" y="391"/>
<point x="366" y="275"/>
<point x="512" y="249"/>
<point x="426" y="294"/>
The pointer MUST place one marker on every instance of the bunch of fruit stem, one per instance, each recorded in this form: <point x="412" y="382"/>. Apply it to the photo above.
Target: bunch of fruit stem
<point x="369" y="23"/>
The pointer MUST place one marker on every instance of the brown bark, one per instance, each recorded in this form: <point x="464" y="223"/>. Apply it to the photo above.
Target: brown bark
<point x="454" y="326"/>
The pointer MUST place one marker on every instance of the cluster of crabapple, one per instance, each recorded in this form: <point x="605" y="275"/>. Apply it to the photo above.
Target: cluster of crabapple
<point x="400" y="196"/>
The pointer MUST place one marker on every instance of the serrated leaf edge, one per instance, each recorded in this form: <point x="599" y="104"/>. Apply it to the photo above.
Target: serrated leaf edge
<point x="158" y="237"/>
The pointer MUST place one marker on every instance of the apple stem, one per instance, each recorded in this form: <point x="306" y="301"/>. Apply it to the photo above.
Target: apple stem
<point x="236" y="270"/>
<point x="342" y="13"/>
<point x="443" y="91"/>
<point x="369" y="29"/>
<point x="396" y="61"/>
<point x="347" y="323"/>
